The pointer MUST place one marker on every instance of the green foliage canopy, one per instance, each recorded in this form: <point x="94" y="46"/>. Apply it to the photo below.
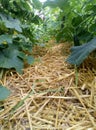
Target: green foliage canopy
<point x="17" y="37"/>
<point x="17" y="25"/>
<point x="78" y="24"/>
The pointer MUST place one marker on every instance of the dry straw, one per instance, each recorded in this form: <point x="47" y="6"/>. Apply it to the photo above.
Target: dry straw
<point x="46" y="97"/>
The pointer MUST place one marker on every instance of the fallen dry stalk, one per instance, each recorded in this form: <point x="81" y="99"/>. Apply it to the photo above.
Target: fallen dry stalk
<point x="61" y="97"/>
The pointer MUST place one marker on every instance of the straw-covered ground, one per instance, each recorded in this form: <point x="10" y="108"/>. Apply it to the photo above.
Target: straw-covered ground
<point x="51" y="94"/>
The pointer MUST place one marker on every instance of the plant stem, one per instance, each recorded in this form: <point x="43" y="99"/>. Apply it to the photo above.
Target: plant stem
<point x="76" y="76"/>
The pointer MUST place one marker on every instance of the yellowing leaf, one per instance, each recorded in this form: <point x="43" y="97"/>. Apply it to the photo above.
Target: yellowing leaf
<point x="4" y="42"/>
<point x="15" y="33"/>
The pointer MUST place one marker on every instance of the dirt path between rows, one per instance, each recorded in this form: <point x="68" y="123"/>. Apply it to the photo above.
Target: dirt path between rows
<point x="45" y="97"/>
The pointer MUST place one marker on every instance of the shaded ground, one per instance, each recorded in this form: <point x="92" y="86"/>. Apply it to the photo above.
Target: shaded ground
<point x="46" y="96"/>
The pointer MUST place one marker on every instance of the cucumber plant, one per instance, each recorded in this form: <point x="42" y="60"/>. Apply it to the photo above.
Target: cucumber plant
<point x="79" y="26"/>
<point x="17" y="37"/>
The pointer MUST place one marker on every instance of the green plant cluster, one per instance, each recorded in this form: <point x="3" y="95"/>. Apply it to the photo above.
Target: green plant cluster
<point x="17" y="25"/>
<point x="78" y="24"/>
<point x="17" y="35"/>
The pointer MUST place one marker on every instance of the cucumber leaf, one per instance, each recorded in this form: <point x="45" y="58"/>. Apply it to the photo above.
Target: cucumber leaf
<point x="9" y="58"/>
<point x="80" y="53"/>
<point x="11" y="23"/>
<point x="5" y="38"/>
<point x="4" y="93"/>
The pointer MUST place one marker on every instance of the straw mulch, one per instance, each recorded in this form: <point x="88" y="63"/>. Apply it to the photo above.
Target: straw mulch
<point x="50" y="95"/>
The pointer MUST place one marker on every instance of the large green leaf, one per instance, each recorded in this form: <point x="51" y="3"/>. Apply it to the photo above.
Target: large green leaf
<point x="80" y="53"/>
<point x="28" y="58"/>
<point x="11" y="23"/>
<point x="4" y="93"/>
<point x="5" y="38"/>
<point x="9" y="58"/>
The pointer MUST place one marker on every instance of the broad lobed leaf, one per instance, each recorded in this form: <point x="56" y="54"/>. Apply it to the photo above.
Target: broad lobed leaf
<point x="80" y="53"/>
<point x="4" y="93"/>
<point x="11" y="23"/>
<point x="10" y="59"/>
